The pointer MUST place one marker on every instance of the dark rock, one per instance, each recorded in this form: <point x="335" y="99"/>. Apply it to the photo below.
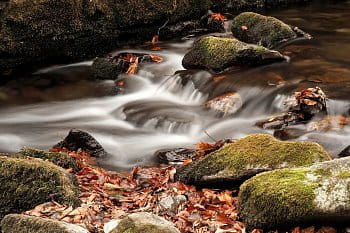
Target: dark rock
<point x="213" y="22"/>
<point x="345" y="152"/>
<point x="226" y="104"/>
<point x="289" y="133"/>
<point x="238" y="161"/>
<point x="175" y="156"/>
<point x="217" y="54"/>
<point x="18" y="223"/>
<point x="28" y="183"/>
<point x="77" y="139"/>
<point x="294" y="196"/>
<point x="106" y="68"/>
<point x="266" y="31"/>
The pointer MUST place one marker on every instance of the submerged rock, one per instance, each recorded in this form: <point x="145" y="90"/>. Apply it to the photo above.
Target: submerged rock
<point x="106" y="68"/>
<point x="141" y="223"/>
<point x="263" y="30"/>
<point x="345" y="152"/>
<point x="226" y="104"/>
<point x="18" y="223"/>
<point x="60" y="159"/>
<point x="289" y="197"/>
<point x="28" y="183"/>
<point x="217" y="54"/>
<point x="175" y="156"/>
<point x="237" y="161"/>
<point x="77" y="139"/>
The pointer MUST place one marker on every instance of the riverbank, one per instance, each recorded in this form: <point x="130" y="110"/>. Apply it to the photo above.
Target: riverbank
<point x="38" y="33"/>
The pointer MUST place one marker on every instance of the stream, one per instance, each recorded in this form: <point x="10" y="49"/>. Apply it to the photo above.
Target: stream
<point x="159" y="109"/>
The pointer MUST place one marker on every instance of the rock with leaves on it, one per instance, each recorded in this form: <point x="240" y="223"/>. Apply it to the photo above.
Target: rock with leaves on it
<point x="288" y="197"/>
<point x="18" y="223"/>
<point x="141" y="222"/>
<point x="263" y="30"/>
<point x="238" y="161"/>
<point x="218" y="53"/>
<point x="26" y="183"/>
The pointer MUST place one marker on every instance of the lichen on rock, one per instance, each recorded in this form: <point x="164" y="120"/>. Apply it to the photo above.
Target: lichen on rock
<point x="263" y="30"/>
<point x="141" y="222"/>
<point x="242" y="159"/>
<point x="17" y="223"/>
<point x="218" y="53"/>
<point x="286" y="197"/>
<point x="25" y="183"/>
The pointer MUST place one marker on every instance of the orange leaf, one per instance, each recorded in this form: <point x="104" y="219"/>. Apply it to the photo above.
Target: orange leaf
<point x="156" y="58"/>
<point x="188" y="161"/>
<point x="155" y="39"/>
<point x="204" y="146"/>
<point x="133" y="67"/>
<point x="218" y="16"/>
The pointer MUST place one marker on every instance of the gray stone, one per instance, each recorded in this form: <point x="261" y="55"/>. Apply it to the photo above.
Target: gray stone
<point x="18" y="223"/>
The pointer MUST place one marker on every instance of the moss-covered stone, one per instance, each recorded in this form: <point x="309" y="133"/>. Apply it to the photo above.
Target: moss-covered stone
<point x="286" y="197"/>
<point x="242" y="159"/>
<point x="17" y="223"/>
<point x="25" y="183"/>
<point x="141" y="223"/>
<point x="217" y="54"/>
<point x="263" y="30"/>
<point x="61" y="159"/>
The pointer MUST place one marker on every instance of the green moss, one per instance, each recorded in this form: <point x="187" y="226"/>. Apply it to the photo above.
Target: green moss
<point x="128" y="226"/>
<point x="249" y="156"/>
<point x="344" y="174"/>
<point x="17" y="223"/>
<point x="322" y="172"/>
<point x="278" y="197"/>
<point x="26" y="183"/>
<point x="267" y="31"/>
<point x="217" y="53"/>
<point x="60" y="159"/>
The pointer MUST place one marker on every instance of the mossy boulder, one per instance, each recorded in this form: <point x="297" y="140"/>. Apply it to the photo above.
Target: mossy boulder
<point x="289" y="197"/>
<point x="263" y="30"/>
<point x="217" y="54"/>
<point x="18" y="223"/>
<point x="238" y="161"/>
<point x="141" y="222"/>
<point x="61" y="159"/>
<point x="26" y="183"/>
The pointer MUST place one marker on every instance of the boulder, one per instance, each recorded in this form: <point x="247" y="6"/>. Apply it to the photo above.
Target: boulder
<point x="106" y="68"/>
<point x="289" y="197"/>
<point x="61" y="159"/>
<point x="26" y="183"/>
<point x="345" y="152"/>
<point x="217" y="54"/>
<point x="141" y="223"/>
<point x="18" y="223"/>
<point x="77" y="139"/>
<point x="238" y="161"/>
<point x="263" y="30"/>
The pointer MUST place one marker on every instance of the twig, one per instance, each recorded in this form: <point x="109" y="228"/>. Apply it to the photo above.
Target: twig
<point x="210" y="136"/>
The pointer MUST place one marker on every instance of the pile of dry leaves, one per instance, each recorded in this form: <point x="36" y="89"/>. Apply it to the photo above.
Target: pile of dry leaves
<point x="106" y="196"/>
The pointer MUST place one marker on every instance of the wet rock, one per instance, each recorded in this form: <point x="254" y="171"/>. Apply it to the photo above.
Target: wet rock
<point x="174" y="156"/>
<point x="345" y="152"/>
<point x="226" y="104"/>
<point x="217" y="54"/>
<point x="141" y="223"/>
<point x="289" y="133"/>
<point x="77" y="139"/>
<point x="235" y="162"/>
<point x="263" y="30"/>
<point x="28" y="183"/>
<point x="106" y="68"/>
<point x="18" y="223"/>
<point x="302" y="107"/>
<point x="214" y="22"/>
<point x="289" y="197"/>
<point x="60" y="159"/>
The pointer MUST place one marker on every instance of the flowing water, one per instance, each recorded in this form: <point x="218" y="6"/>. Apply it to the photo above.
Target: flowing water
<point x="161" y="110"/>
